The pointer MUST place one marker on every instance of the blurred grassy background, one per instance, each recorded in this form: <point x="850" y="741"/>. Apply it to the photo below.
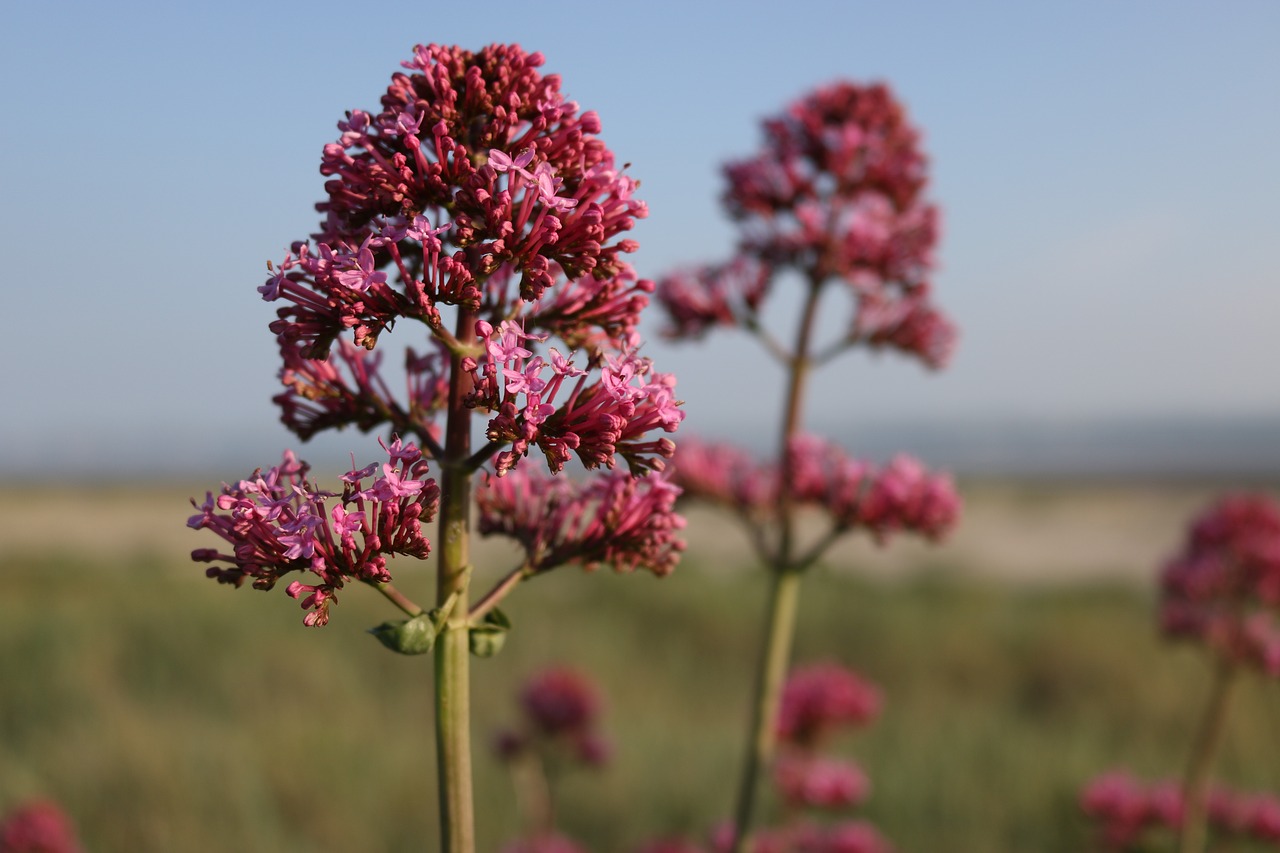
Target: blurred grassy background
<point x="166" y="713"/>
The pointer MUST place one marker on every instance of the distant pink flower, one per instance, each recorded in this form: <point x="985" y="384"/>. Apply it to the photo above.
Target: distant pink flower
<point x="1125" y="810"/>
<point x="561" y="711"/>
<point x="559" y="700"/>
<point x="1118" y="804"/>
<point x="905" y="496"/>
<point x="901" y="496"/>
<point x="1259" y="816"/>
<point x="1223" y="589"/>
<point x="39" y="826"/>
<point x="820" y="698"/>
<point x="909" y="324"/>
<point x="805" y="781"/>
<point x="700" y="299"/>
<point x="836" y="194"/>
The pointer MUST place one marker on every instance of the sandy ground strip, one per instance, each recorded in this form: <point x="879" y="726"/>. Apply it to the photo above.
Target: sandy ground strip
<point x="1026" y="532"/>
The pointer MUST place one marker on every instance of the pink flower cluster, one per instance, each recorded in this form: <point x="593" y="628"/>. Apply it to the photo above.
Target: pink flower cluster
<point x="278" y="522"/>
<point x="816" y="782"/>
<point x="1127" y="811"/>
<point x="348" y="389"/>
<point x="1223" y="589"/>
<point x="561" y="710"/>
<point x="39" y="826"/>
<point x="613" y="519"/>
<point x="901" y="496"/>
<point x="836" y="194"/>
<point x="822" y="698"/>
<point x="548" y="404"/>
<point x="477" y="188"/>
<point x="818" y="701"/>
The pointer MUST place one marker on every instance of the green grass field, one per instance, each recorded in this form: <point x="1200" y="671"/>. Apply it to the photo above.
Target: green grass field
<point x="167" y="713"/>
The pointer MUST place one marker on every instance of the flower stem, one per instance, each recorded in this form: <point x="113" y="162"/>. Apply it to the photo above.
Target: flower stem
<point x="500" y="590"/>
<point x="1195" y="787"/>
<point x="398" y="598"/>
<point x="780" y="616"/>
<point x="452" y="649"/>
<point x="784" y="594"/>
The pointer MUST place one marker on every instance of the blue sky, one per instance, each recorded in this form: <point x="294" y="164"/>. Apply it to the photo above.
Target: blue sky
<point x="1107" y="173"/>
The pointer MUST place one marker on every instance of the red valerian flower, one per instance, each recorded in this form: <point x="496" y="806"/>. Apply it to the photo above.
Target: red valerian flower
<point x="612" y="519"/>
<point x="821" y="698"/>
<point x="39" y="826"/>
<point x="277" y="522"/>
<point x="836" y="195"/>
<point x="1223" y="588"/>
<point x="856" y="495"/>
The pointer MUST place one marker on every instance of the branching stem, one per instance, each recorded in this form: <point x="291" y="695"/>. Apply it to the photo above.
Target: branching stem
<point x="784" y="594"/>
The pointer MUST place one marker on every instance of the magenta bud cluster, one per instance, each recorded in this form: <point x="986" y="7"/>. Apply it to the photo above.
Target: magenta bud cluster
<point x="835" y="194"/>
<point x="477" y="189"/>
<point x="1126" y="811"/>
<point x="823" y="698"/>
<point x="610" y="519"/>
<point x="817" y="782"/>
<point x="38" y="826"/>
<point x="478" y="207"/>
<point x="276" y="522"/>
<point x="561" y="710"/>
<point x="1223" y="588"/>
<point x="548" y="404"/>
<point x="899" y="496"/>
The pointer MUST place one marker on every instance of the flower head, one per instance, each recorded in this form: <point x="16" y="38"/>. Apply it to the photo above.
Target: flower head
<point x="805" y="781"/>
<point x="39" y="826"/>
<point x="822" y="698"/>
<point x="836" y="194"/>
<point x="561" y="712"/>
<point x="1223" y="588"/>
<point x="900" y="496"/>
<point x="614" y="519"/>
<point x="278" y="522"/>
<point x="480" y="193"/>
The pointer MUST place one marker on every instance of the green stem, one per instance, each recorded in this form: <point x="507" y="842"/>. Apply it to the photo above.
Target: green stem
<point x="452" y="649"/>
<point x="784" y="594"/>
<point x="500" y="590"/>
<point x="398" y="598"/>
<point x="771" y="673"/>
<point x="1195" y="787"/>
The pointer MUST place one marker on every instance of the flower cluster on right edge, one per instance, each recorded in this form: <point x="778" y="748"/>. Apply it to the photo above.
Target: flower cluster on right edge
<point x="1222" y="590"/>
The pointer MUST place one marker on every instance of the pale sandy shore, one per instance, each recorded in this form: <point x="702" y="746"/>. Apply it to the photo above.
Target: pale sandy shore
<point x="1024" y="532"/>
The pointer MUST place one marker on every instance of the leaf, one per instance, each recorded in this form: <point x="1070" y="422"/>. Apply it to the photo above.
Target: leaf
<point x="413" y="636"/>
<point x="487" y="638"/>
